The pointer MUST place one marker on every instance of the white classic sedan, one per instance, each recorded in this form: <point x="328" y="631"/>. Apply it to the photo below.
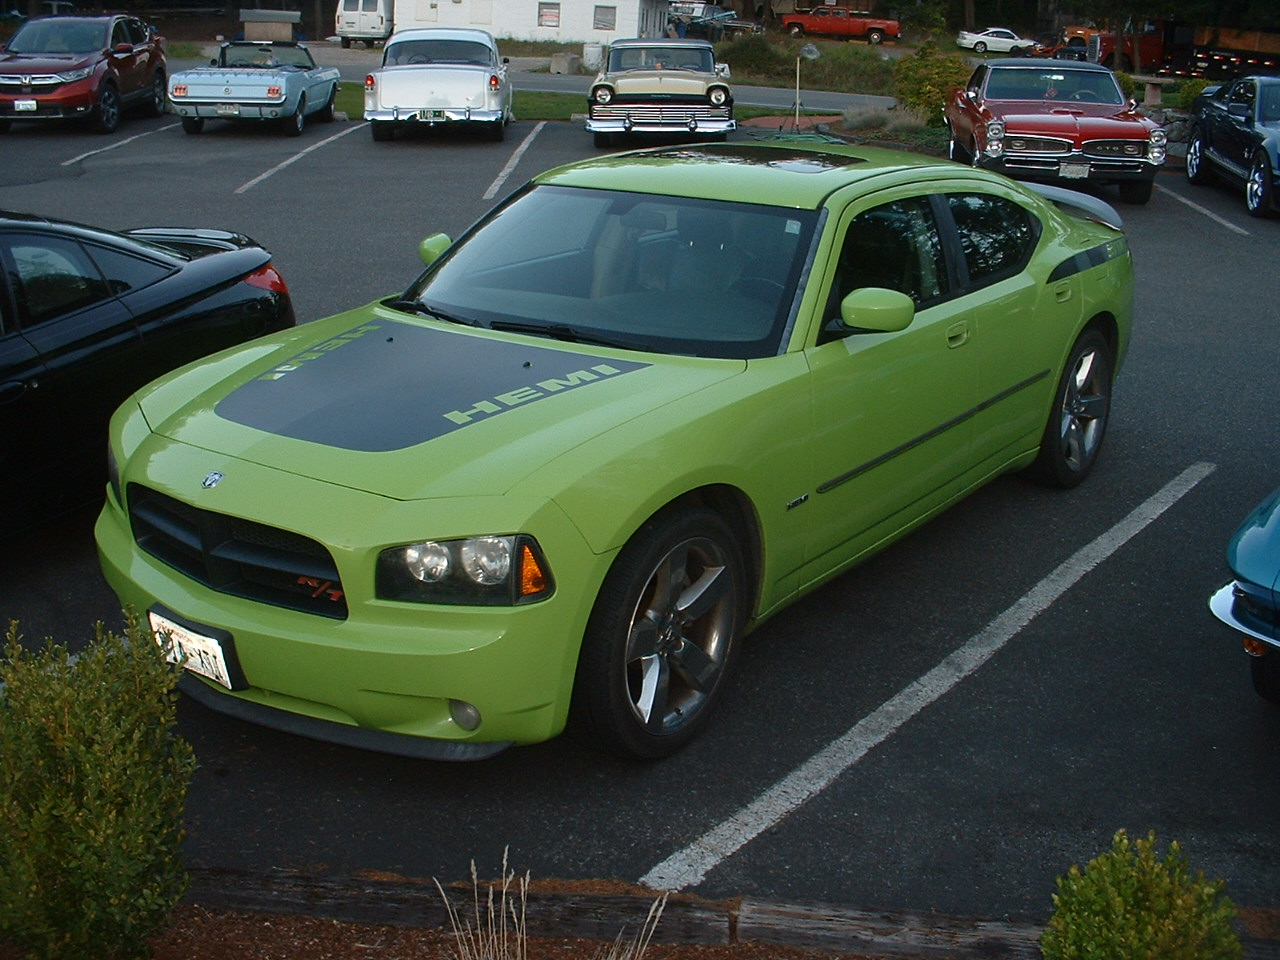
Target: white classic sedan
<point x="439" y="75"/>
<point x="995" y="39"/>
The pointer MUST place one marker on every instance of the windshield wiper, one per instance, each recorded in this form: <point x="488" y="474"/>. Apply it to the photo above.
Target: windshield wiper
<point x="562" y="331"/>
<point x="408" y="305"/>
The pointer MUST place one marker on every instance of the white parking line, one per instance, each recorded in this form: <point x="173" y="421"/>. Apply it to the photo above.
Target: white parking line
<point x="1208" y="213"/>
<point x="511" y="164"/>
<point x="296" y="157"/>
<point x="118" y="143"/>
<point x="690" y="866"/>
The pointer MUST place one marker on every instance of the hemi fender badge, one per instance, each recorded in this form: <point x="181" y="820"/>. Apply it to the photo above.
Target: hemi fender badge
<point x="212" y="480"/>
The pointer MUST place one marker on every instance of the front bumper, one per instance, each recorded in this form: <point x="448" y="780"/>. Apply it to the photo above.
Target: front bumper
<point x="65" y="106"/>
<point x="433" y="115"/>
<point x="1229" y="607"/>
<point x="660" y="118"/>
<point x="1065" y="168"/>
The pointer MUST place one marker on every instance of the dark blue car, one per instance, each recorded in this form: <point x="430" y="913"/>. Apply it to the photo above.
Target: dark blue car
<point x="1235" y="136"/>
<point x="1251" y="602"/>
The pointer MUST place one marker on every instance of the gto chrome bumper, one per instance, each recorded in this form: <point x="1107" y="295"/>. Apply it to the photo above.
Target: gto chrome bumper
<point x="1224" y="606"/>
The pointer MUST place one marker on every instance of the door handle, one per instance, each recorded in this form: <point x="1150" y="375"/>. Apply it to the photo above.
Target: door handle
<point x="1062" y="293"/>
<point x="12" y="390"/>
<point x="958" y="334"/>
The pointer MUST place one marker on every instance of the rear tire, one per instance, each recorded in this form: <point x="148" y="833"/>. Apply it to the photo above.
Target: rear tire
<point x="875" y="36"/>
<point x="326" y="112"/>
<point x="979" y="47"/>
<point x="155" y="103"/>
<point x="796" y="30"/>
<point x="294" y="123"/>
<point x="1258" y="198"/>
<point x="382" y="130"/>
<point x="1078" y="419"/>
<point x="192" y="124"/>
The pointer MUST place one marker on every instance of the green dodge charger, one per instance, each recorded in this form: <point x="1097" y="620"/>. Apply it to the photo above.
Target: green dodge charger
<point x="638" y="408"/>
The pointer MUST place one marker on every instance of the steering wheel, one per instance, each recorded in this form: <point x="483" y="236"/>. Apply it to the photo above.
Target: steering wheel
<point x="1084" y="96"/>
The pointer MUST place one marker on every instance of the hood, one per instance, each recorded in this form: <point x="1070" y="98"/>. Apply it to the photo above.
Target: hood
<point x="1084" y="122"/>
<point x="661" y="83"/>
<point x="43" y="62"/>
<point x="1254" y="551"/>
<point x="413" y="410"/>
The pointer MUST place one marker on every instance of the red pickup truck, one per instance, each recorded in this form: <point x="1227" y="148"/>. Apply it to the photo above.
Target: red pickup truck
<point x="830" y="21"/>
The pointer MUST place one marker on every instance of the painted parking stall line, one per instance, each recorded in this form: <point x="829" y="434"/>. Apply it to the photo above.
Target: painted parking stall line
<point x="511" y="164"/>
<point x="1203" y="211"/>
<point x="296" y="157"/>
<point x="118" y="143"/>
<point x="690" y="866"/>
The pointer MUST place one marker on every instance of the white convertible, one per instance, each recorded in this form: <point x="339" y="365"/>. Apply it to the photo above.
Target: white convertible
<point x="439" y="75"/>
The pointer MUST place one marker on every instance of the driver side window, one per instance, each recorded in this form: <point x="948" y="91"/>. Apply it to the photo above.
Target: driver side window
<point x="54" y="277"/>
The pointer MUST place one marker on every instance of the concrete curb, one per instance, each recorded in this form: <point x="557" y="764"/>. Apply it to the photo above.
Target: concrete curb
<point x="687" y="919"/>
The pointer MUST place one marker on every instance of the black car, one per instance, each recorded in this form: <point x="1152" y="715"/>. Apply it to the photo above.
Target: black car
<point x="1235" y="135"/>
<point x="87" y="316"/>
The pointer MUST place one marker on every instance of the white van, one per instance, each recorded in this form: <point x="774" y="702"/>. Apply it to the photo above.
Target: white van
<point x="366" y="20"/>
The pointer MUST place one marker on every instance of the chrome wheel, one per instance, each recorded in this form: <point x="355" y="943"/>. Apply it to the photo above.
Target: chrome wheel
<point x="662" y="635"/>
<point x="155" y="105"/>
<point x="1196" y="170"/>
<point x="107" y="117"/>
<point x="1257" y="189"/>
<point x="1078" y="422"/>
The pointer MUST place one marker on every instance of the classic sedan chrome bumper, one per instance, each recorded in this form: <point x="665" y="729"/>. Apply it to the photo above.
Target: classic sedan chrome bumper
<point x="1225" y="606"/>
<point x="433" y="115"/>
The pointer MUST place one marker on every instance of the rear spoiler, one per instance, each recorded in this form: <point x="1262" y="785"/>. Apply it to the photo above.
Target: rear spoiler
<point x="193" y="242"/>
<point x="1079" y="204"/>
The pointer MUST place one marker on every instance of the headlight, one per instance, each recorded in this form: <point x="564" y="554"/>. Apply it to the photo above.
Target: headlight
<point x="79" y="73"/>
<point x="601" y="94"/>
<point x="995" y="138"/>
<point x="1159" y="138"/>
<point x="718" y="96"/>
<point x="480" y="571"/>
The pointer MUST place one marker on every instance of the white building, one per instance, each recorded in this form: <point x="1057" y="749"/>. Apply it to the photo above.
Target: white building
<point x="564" y="21"/>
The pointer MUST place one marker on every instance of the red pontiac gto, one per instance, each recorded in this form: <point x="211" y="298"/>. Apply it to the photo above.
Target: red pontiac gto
<point x="1051" y="120"/>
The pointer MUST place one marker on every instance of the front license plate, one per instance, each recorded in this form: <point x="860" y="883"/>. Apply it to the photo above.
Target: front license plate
<point x="1073" y="171"/>
<point x="27" y="106"/>
<point x="228" y="109"/>
<point x="196" y="652"/>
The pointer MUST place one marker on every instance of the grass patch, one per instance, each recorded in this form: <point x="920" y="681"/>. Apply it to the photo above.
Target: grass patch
<point x="842" y="67"/>
<point x="184" y="50"/>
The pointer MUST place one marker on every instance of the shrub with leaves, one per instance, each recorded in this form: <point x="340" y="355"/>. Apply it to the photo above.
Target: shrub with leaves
<point x="922" y="81"/>
<point x="1128" y="85"/>
<point x="1128" y="904"/>
<point x="1188" y="90"/>
<point x="93" y="781"/>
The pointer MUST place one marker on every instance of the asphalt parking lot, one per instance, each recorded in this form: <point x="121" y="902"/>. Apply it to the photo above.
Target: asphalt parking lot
<point x="945" y="728"/>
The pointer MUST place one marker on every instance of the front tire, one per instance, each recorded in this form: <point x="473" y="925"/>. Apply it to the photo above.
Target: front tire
<point x="1135" y="191"/>
<point x="106" y="115"/>
<point x="1197" y="169"/>
<point x="1265" y="671"/>
<point x="603" y="140"/>
<point x="662" y="635"/>
<point x="1258" y="189"/>
<point x="1078" y="420"/>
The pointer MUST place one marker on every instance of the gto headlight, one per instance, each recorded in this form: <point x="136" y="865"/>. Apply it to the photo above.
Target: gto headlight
<point x="601" y="95"/>
<point x="79" y="73"/>
<point x="718" y="96"/>
<point x="995" y="138"/>
<point x="484" y="571"/>
<point x="1159" y="146"/>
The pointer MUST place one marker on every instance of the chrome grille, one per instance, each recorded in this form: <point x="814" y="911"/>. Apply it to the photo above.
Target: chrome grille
<point x="238" y="557"/>
<point x="1016" y="144"/>
<point x="1123" y="149"/>
<point x="659" y="112"/>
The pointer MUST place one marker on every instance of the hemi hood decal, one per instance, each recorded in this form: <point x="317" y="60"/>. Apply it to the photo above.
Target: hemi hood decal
<point x="385" y="385"/>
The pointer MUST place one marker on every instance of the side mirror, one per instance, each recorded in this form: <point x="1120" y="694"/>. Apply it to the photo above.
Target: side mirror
<point x="877" y="310"/>
<point x="722" y="70"/>
<point x="122" y="48"/>
<point x="506" y="59"/>
<point x="1238" y="110"/>
<point x="429" y="250"/>
<point x="213" y="62"/>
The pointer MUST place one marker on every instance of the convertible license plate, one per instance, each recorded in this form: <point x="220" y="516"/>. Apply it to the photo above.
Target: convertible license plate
<point x="196" y="652"/>
<point x="431" y="115"/>
<point x="228" y="109"/>
<point x="1073" y="171"/>
<point x="25" y="106"/>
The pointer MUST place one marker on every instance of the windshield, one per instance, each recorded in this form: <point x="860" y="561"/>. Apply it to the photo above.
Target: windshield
<point x="265" y="55"/>
<point x="699" y="59"/>
<point x="667" y="274"/>
<point x="1071" y="86"/>
<point x="59" y="36"/>
<point x="436" y="51"/>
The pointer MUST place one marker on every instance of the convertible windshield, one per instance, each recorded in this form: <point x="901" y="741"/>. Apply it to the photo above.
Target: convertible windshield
<point x="58" y="35"/>
<point x="699" y="59"/>
<point x="265" y="55"/>
<point x="668" y="274"/>
<point x="1072" y="86"/>
<point x="437" y="51"/>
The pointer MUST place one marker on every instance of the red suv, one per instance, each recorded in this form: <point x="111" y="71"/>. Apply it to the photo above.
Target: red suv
<point x="55" y="68"/>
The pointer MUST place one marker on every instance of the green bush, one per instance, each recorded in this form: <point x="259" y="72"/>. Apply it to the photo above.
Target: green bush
<point x="1128" y="86"/>
<point x="92" y="786"/>
<point x="922" y="81"/>
<point x="840" y="67"/>
<point x="1128" y="904"/>
<point x="1188" y="90"/>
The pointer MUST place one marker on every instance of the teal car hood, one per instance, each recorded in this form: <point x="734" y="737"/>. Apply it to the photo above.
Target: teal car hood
<point x="411" y="410"/>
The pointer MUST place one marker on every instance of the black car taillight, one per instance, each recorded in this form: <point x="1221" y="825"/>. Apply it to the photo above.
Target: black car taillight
<point x="267" y="278"/>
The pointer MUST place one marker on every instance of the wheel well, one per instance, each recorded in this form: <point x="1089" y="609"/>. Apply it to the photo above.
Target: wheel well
<point x="737" y="510"/>
<point x="1106" y="325"/>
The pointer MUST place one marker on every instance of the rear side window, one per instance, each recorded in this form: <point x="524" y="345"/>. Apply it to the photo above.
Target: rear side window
<point x="996" y="235"/>
<point x="53" y="277"/>
<point x="125" y="272"/>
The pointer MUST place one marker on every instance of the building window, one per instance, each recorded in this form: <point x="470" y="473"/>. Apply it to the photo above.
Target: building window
<point x="548" y="14"/>
<point x="605" y="18"/>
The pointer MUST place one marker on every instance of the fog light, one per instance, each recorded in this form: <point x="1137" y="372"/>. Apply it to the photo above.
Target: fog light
<point x="464" y="714"/>
<point x="1255" y="648"/>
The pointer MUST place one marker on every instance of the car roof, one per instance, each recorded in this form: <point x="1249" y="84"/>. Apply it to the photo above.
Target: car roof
<point x="444" y="33"/>
<point x="659" y="42"/>
<point x="781" y="173"/>
<point x="105" y="18"/>
<point x="1035" y="63"/>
